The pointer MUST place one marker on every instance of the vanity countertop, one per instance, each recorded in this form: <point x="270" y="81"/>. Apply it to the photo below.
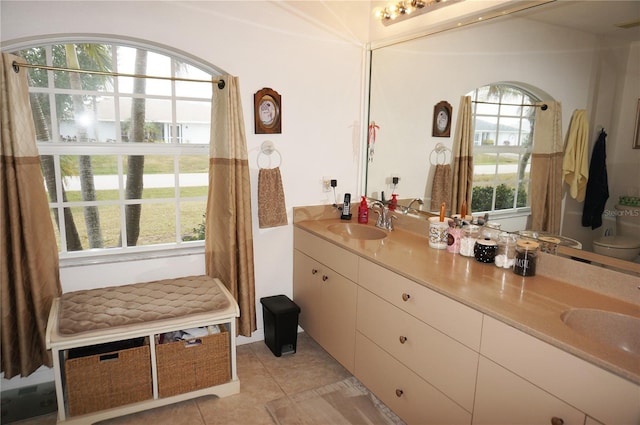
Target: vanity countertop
<point x="531" y="304"/>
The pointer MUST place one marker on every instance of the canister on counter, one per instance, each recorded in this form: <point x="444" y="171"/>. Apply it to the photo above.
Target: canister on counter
<point x="526" y="258"/>
<point x="485" y="250"/>
<point x="506" y="255"/>
<point x="549" y="244"/>
<point x="470" y="233"/>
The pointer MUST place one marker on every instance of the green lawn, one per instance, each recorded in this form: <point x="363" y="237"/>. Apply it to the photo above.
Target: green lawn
<point x="153" y="164"/>
<point x="158" y="222"/>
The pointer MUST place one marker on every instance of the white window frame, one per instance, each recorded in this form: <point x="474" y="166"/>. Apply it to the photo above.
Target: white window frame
<point x="507" y="212"/>
<point x="57" y="148"/>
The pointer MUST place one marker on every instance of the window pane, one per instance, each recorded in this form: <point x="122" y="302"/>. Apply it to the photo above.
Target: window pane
<point x="157" y="114"/>
<point x="157" y="224"/>
<point x="191" y="89"/>
<point x="194" y="121"/>
<point x="36" y="56"/>
<point x="505" y="193"/>
<point x="192" y="216"/>
<point x="194" y="176"/>
<point x="90" y="178"/>
<point x="41" y="116"/>
<point x="97" y="227"/>
<point x="94" y="57"/>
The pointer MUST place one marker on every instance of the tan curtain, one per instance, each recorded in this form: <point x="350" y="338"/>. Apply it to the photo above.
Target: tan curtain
<point x="29" y="254"/>
<point x="546" y="169"/>
<point x="462" y="158"/>
<point x="229" y="237"/>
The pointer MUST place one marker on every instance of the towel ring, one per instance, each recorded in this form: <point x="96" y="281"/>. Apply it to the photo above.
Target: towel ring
<point x="267" y="148"/>
<point x="440" y="152"/>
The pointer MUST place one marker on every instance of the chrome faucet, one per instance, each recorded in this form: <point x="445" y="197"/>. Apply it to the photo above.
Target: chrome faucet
<point x="385" y="218"/>
<point x="408" y="207"/>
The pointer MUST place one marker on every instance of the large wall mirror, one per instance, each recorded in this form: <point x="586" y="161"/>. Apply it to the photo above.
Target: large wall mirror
<point x="570" y="52"/>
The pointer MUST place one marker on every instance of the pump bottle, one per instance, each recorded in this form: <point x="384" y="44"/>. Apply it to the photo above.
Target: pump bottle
<point x="363" y="211"/>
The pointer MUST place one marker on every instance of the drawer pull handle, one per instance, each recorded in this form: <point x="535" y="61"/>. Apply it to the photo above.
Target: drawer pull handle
<point x="314" y="271"/>
<point x="325" y="277"/>
<point x="403" y="339"/>
<point x="405" y="297"/>
<point x="557" y="421"/>
<point x="399" y="392"/>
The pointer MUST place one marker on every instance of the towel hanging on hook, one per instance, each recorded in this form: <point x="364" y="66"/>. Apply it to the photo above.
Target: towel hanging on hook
<point x="267" y="148"/>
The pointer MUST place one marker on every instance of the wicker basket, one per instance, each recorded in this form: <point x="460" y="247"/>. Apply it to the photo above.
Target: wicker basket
<point x="185" y="366"/>
<point x="103" y="381"/>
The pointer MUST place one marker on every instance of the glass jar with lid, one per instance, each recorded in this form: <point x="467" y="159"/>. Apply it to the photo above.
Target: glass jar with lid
<point x="506" y="255"/>
<point x="526" y="258"/>
<point x="470" y="233"/>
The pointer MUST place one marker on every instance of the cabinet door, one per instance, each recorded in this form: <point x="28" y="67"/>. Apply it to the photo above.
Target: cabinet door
<point x="327" y="303"/>
<point x="409" y="396"/>
<point x="306" y="292"/>
<point x="504" y="398"/>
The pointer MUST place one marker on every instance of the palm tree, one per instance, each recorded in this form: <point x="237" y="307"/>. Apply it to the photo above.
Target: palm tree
<point x="87" y="186"/>
<point x="135" y="163"/>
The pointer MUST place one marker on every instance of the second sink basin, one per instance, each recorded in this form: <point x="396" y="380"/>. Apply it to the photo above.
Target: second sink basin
<point x="357" y="231"/>
<point x="614" y="329"/>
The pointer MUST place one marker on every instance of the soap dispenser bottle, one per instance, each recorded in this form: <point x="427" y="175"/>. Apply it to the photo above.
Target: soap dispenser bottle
<point x="363" y="211"/>
<point x="394" y="202"/>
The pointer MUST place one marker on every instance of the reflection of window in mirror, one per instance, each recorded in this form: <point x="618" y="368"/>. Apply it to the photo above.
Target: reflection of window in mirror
<point x="503" y="117"/>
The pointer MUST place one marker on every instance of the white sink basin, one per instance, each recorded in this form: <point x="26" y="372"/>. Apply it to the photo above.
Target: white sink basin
<point x="613" y="329"/>
<point x="357" y="231"/>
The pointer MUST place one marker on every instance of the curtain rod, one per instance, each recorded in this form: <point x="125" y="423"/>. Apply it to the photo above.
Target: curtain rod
<point x="16" y="68"/>
<point x="544" y="106"/>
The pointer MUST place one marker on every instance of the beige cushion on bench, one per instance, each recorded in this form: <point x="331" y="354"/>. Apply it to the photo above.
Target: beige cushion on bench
<point x="139" y="303"/>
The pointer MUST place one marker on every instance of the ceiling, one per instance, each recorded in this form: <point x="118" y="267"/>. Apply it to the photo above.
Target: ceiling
<point x="596" y="17"/>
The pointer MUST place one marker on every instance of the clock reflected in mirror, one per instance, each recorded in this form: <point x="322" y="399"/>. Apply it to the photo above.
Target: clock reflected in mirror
<point x="442" y="119"/>
<point x="267" y="111"/>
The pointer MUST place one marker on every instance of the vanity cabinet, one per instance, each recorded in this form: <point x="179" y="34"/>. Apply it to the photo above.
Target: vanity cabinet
<point x="325" y="291"/>
<point x="520" y="376"/>
<point x="414" y="324"/>
<point x="434" y="360"/>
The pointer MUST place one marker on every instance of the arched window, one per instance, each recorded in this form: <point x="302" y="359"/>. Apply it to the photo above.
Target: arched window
<point x="503" y="117"/>
<point x="125" y="160"/>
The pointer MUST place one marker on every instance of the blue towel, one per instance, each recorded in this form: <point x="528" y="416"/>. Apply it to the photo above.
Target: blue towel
<point x="597" y="185"/>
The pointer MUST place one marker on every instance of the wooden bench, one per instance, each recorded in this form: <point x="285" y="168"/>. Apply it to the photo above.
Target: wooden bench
<point x="111" y="354"/>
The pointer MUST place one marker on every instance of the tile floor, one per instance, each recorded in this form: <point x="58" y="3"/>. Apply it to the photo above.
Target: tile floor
<point x="263" y="377"/>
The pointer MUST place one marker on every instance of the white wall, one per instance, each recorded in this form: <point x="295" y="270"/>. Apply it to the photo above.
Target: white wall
<point x="315" y="62"/>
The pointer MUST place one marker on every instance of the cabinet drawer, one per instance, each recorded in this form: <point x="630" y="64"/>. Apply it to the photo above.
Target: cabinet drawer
<point x="443" y="362"/>
<point x="452" y="318"/>
<point x="503" y="398"/>
<point x="601" y="394"/>
<point x="334" y="257"/>
<point x="418" y="402"/>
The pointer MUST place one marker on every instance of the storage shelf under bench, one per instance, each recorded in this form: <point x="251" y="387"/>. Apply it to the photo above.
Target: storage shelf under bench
<point x="110" y="358"/>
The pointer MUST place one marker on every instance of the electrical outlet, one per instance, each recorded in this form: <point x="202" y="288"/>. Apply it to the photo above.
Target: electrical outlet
<point x="326" y="184"/>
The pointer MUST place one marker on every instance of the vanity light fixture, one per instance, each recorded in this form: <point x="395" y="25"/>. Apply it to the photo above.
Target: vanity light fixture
<point x="404" y="9"/>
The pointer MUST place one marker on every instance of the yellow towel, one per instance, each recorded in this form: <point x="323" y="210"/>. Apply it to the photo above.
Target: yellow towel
<point x="272" y="211"/>
<point x="575" y="165"/>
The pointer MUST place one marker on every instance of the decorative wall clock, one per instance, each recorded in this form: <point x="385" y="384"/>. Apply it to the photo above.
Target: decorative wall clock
<point x="442" y="119"/>
<point x="267" y="111"/>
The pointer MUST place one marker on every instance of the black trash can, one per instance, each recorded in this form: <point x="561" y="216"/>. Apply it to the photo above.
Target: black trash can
<point x="280" y="316"/>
